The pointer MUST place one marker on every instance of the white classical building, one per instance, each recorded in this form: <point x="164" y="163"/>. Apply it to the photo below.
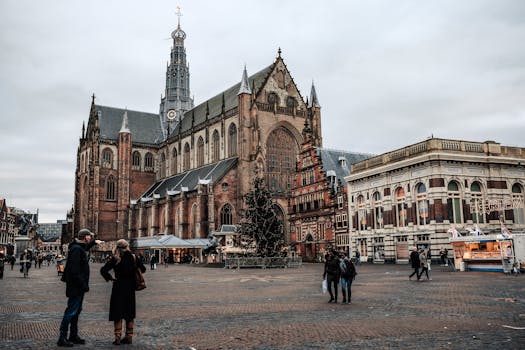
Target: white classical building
<point x="415" y="195"/>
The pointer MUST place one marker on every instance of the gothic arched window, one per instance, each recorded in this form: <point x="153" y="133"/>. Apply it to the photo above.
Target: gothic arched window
<point x="148" y="162"/>
<point x="281" y="152"/>
<point x="226" y="215"/>
<point x="110" y="188"/>
<point x="174" y="161"/>
<point x="135" y="160"/>
<point x="200" y="152"/>
<point x="232" y="142"/>
<point x="107" y="158"/>
<point x="162" y="170"/>
<point x="215" y="147"/>
<point x="186" y="160"/>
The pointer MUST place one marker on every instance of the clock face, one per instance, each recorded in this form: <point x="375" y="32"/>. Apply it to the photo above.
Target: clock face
<point x="171" y="114"/>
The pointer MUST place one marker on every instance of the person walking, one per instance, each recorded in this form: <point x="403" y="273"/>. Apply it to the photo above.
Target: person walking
<point x="348" y="273"/>
<point x="443" y="253"/>
<point x="12" y="261"/>
<point x="2" y="264"/>
<point x="424" y="265"/>
<point x="332" y="273"/>
<point x="153" y="262"/>
<point x="414" y="260"/>
<point x="122" y="303"/>
<point x="25" y="262"/>
<point x="76" y="276"/>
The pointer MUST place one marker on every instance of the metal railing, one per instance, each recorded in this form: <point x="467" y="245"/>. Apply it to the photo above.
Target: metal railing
<point x="262" y="262"/>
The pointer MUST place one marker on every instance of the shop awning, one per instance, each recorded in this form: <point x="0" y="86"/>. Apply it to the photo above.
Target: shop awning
<point x="198" y="242"/>
<point x="170" y="241"/>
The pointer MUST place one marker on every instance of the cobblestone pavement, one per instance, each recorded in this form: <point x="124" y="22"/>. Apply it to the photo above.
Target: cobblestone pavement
<point x="195" y="307"/>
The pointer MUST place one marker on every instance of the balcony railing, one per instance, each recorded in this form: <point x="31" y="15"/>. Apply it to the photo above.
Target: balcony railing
<point x="437" y="145"/>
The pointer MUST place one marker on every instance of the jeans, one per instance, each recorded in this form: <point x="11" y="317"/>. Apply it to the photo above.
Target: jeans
<point x="73" y="309"/>
<point x="416" y="272"/>
<point x="346" y="287"/>
<point x="332" y="280"/>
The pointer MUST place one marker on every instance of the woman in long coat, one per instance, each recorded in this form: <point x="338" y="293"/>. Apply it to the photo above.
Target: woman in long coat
<point x="122" y="302"/>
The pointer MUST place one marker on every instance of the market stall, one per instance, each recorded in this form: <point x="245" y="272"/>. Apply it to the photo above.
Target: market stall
<point x="493" y="253"/>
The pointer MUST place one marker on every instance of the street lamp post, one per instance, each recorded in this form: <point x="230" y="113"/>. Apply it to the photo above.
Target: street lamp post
<point x="116" y="229"/>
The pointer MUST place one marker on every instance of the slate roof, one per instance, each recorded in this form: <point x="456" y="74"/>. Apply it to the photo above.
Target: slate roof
<point x="331" y="161"/>
<point x="144" y="127"/>
<point x="198" y="113"/>
<point x="190" y="179"/>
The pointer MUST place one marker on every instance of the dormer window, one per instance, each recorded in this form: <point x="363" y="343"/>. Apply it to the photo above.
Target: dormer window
<point x="342" y="161"/>
<point x="330" y="174"/>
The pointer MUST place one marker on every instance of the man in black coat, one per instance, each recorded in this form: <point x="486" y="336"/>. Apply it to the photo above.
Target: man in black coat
<point x="414" y="260"/>
<point x="332" y="273"/>
<point x="76" y="276"/>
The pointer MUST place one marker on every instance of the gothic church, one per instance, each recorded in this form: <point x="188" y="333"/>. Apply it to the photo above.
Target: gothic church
<point x="184" y="171"/>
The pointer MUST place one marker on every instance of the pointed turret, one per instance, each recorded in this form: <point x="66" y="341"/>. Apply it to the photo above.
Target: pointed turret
<point x="314" y="102"/>
<point x="83" y="130"/>
<point x="125" y="127"/>
<point x="245" y="86"/>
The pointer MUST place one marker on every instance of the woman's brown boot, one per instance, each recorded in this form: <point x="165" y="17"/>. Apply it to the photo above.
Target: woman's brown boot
<point x="118" y="332"/>
<point x="129" y="333"/>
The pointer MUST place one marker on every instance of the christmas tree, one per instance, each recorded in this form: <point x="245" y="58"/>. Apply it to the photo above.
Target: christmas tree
<point x="261" y="228"/>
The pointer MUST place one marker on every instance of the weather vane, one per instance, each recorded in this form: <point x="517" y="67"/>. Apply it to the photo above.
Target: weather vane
<point x="179" y="14"/>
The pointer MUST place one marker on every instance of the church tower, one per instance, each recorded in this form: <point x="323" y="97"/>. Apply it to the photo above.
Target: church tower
<point x="176" y="98"/>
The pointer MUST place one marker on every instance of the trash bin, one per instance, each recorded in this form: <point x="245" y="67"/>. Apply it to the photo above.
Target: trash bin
<point x="462" y="266"/>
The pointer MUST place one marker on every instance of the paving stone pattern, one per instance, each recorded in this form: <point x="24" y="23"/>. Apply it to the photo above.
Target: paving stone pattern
<point x="196" y="307"/>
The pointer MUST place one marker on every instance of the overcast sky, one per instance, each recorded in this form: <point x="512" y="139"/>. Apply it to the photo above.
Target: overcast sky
<point x="387" y="73"/>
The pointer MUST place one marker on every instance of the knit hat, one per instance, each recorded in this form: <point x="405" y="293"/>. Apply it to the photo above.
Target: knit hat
<point x="84" y="232"/>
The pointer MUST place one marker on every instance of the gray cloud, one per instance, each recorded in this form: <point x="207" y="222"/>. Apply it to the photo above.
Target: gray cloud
<point x="387" y="73"/>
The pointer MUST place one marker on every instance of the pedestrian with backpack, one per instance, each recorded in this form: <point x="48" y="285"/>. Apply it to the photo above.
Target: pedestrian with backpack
<point x="348" y="274"/>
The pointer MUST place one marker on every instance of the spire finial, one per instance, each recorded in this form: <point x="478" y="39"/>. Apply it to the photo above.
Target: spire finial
<point x="93" y="98"/>
<point x="245" y="85"/>
<point x="179" y="15"/>
<point x="314" y="102"/>
<point x="279" y="52"/>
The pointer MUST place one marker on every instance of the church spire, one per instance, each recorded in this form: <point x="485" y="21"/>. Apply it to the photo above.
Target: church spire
<point x="245" y="86"/>
<point x="125" y="127"/>
<point x="177" y="97"/>
<point x="314" y="102"/>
